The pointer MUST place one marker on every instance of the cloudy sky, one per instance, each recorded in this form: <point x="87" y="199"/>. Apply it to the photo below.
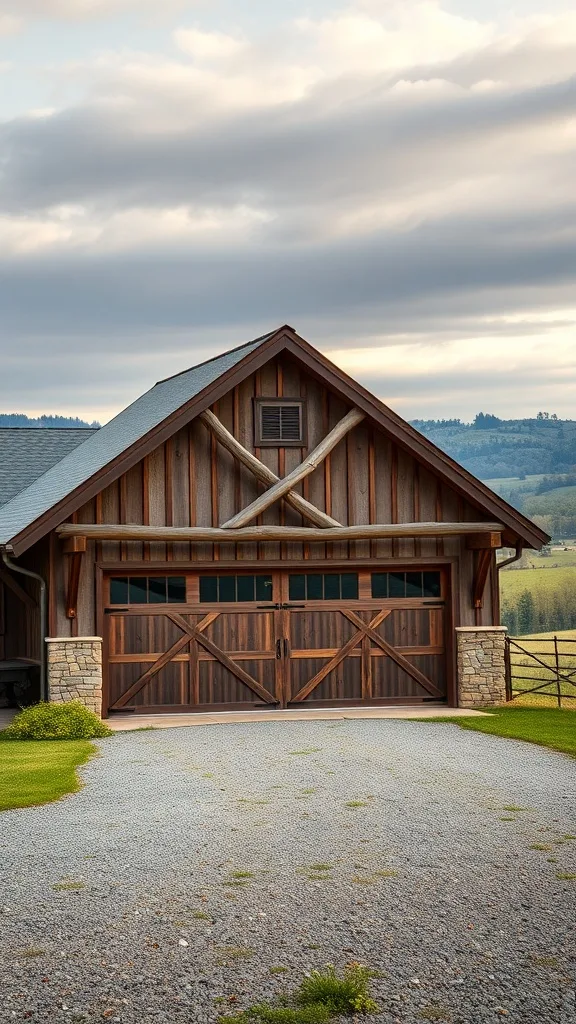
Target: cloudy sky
<point x="394" y="178"/>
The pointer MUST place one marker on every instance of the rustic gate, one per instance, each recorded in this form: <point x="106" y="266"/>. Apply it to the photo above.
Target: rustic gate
<point x="542" y="666"/>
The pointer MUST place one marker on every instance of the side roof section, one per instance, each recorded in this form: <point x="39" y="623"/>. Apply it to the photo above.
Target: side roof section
<point x="113" y="439"/>
<point x="28" y="452"/>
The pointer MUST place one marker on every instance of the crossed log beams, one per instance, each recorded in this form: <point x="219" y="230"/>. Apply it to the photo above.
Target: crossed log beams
<point x="310" y="463"/>
<point x="263" y="473"/>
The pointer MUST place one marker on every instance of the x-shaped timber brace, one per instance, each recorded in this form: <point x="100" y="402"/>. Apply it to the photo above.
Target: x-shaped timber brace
<point x="482" y="537"/>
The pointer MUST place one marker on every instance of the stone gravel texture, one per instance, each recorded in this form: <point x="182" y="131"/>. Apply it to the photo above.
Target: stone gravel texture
<point x="392" y="843"/>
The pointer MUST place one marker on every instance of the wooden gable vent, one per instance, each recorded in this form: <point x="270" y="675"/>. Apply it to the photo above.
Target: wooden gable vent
<point x="279" y="422"/>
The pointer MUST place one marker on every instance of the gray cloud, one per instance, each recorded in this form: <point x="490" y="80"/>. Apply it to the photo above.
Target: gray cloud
<point x="432" y="275"/>
<point x="304" y="153"/>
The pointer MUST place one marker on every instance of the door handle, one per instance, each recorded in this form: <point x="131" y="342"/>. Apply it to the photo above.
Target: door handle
<point x="292" y="606"/>
<point x="279" y="648"/>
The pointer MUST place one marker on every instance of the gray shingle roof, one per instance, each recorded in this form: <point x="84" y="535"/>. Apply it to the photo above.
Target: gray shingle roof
<point x="27" y="452"/>
<point x="114" y="438"/>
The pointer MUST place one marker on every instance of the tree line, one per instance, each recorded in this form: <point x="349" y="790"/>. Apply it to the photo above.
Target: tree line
<point x="537" y="612"/>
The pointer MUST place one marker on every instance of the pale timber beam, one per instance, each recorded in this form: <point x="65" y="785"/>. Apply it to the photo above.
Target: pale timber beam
<point x="310" y="463"/>
<point x="121" y="531"/>
<point x="262" y="473"/>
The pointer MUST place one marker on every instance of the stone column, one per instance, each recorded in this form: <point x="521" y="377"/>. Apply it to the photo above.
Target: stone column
<point x="481" y="665"/>
<point x="75" y="670"/>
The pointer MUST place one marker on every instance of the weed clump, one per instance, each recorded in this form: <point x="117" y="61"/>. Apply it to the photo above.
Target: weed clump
<point x="320" y="997"/>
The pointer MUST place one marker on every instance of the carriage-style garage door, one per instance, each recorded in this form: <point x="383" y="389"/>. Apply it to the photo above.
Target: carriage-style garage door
<point x="280" y="639"/>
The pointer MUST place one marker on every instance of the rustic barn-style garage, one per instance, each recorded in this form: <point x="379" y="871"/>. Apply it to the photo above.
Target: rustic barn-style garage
<point x="257" y="531"/>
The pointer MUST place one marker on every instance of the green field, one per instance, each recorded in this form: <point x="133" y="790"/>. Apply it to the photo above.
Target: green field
<point x="542" y="581"/>
<point x="507" y="483"/>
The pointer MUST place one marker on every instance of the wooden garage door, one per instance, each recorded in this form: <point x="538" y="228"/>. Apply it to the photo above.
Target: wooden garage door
<point x="202" y="641"/>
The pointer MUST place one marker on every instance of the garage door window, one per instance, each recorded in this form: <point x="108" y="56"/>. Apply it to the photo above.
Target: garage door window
<point x="406" y="584"/>
<point x="323" y="586"/>
<point x="214" y="589"/>
<point x="147" y="590"/>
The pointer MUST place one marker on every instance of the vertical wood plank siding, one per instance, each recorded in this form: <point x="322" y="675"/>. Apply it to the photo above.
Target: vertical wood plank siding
<point x="192" y="481"/>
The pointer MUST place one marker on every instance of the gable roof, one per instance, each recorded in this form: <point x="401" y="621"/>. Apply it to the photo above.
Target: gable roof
<point x="27" y="452"/>
<point x="171" y="403"/>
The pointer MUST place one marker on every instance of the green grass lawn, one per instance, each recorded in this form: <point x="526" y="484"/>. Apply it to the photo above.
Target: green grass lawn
<point x="549" y="727"/>
<point x="39" y="771"/>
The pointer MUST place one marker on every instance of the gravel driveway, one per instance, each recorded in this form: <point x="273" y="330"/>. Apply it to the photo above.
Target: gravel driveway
<point x="202" y="869"/>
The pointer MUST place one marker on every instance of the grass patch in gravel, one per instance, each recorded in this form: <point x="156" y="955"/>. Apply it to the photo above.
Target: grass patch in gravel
<point x="68" y="885"/>
<point x="548" y="727"/>
<point x="320" y="997"/>
<point x="40" y="771"/>
<point x="434" y="1012"/>
<point x="302" y="753"/>
<point x="356" y="803"/>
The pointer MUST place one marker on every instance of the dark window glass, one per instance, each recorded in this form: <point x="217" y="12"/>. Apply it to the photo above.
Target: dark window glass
<point x="147" y="589"/>
<point x="431" y="584"/>
<point x="380" y="584"/>
<point x="227" y="588"/>
<point x="349" y="586"/>
<point x="208" y="588"/>
<point x="406" y="584"/>
<point x="314" y="588"/>
<point x="263" y="588"/>
<point x="245" y="588"/>
<point x="138" y="593"/>
<point x="235" y="588"/>
<point x="119" y="590"/>
<point x="332" y="587"/>
<point x="397" y="584"/>
<point x="328" y="587"/>
<point x="157" y="589"/>
<point x="297" y="588"/>
<point x="413" y="584"/>
<point x="176" y="589"/>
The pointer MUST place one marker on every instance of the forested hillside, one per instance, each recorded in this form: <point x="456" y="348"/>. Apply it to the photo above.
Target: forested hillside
<point x="19" y="419"/>
<point x="493" y="448"/>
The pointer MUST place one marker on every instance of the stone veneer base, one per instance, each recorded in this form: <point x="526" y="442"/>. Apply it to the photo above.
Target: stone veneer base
<point x="75" y="670"/>
<point x="481" y="657"/>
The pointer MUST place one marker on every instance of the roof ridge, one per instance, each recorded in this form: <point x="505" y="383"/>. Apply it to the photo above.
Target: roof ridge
<point x="229" y="351"/>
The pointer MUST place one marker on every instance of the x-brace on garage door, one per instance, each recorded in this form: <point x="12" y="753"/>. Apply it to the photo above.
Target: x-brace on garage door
<point x="279" y="639"/>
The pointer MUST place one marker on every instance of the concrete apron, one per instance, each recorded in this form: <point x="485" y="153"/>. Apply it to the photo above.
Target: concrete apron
<point x="124" y="722"/>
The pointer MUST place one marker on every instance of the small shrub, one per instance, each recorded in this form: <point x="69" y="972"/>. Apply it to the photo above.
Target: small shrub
<point x="348" y="994"/>
<point x="45" y="721"/>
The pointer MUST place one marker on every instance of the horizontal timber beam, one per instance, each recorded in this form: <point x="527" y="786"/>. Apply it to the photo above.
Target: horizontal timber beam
<point x="202" y="534"/>
<point x="484" y="540"/>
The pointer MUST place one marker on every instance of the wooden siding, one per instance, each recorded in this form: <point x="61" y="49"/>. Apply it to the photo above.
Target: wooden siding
<point x="190" y="480"/>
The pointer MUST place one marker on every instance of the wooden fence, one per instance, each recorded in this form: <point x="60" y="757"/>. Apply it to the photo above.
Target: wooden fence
<point x="544" y="667"/>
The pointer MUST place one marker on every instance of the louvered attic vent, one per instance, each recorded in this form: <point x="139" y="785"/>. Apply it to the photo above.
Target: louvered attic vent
<point x="278" y="422"/>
